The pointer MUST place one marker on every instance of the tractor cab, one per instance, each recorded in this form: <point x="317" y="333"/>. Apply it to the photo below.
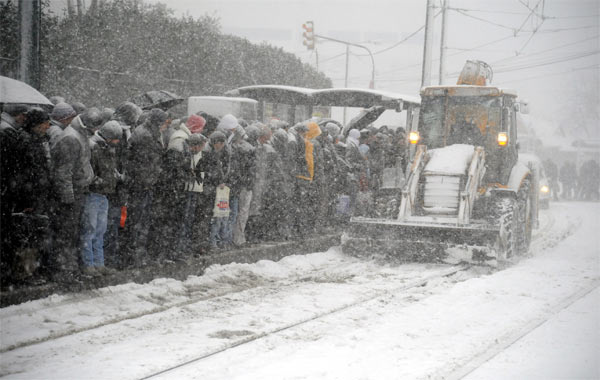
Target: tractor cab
<point x="474" y="115"/>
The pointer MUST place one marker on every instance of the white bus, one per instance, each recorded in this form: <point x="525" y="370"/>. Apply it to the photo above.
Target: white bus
<point x="242" y="108"/>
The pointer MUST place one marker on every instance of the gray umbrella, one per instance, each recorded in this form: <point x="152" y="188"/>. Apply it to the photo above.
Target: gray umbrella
<point x="364" y="118"/>
<point x="14" y="91"/>
<point x="157" y="99"/>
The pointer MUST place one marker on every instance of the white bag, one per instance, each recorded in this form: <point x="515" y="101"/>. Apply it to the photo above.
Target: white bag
<point x="221" y="209"/>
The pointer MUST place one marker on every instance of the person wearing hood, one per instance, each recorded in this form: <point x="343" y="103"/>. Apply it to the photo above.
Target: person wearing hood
<point x="240" y="177"/>
<point x="144" y="169"/>
<point x="73" y="173"/>
<point x="29" y="227"/>
<point x="94" y="221"/>
<point x="308" y="173"/>
<point x="79" y="107"/>
<point x="127" y="114"/>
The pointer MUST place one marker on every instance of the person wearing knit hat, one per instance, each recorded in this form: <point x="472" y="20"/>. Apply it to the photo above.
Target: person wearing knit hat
<point x="61" y="116"/>
<point x="217" y="171"/>
<point x="73" y="173"/>
<point x="102" y="191"/>
<point x="63" y="111"/>
<point x="228" y="123"/>
<point x="195" y="123"/>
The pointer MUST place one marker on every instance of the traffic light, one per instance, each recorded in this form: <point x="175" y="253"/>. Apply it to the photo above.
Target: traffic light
<point x="309" y="35"/>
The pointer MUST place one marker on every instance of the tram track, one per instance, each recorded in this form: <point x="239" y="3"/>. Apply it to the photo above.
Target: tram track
<point x="396" y="291"/>
<point x="159" y="302"/>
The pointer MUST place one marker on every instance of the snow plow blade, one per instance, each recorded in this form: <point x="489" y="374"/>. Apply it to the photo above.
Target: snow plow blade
<point x="421" y="241"/>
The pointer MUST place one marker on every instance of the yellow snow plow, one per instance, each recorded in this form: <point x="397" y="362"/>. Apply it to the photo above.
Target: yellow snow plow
<point x="467" y="198"/>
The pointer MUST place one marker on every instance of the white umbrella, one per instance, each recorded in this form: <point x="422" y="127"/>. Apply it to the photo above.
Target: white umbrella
<point x="15" y="91"/>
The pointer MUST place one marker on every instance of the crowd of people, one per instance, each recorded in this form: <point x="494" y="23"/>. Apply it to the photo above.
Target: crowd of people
<point x="88" y="191"/>
<point x="568" y="183"/>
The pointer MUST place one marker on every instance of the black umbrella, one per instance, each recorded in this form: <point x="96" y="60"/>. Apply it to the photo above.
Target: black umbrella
<point x="157" y="99"/>
<point x="364" y="118"/>
<point x="14" y="91"/>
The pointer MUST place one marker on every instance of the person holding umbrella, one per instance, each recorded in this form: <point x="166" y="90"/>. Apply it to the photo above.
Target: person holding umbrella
<point x="33" y="179"/>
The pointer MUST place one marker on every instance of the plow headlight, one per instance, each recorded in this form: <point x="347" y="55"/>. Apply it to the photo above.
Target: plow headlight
<point x="413" y="137"/>
<point x="502" y="138"/>
<point x="544" y="189"/>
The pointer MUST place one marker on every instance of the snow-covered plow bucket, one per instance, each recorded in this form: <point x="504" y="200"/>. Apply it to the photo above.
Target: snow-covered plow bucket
<point x="421" y="241"/>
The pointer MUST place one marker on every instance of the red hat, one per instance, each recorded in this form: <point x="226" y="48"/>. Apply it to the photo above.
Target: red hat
<point x="195" y="123"/>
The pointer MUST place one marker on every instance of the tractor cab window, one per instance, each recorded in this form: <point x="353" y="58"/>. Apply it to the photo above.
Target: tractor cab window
<point x="459" y="120"/>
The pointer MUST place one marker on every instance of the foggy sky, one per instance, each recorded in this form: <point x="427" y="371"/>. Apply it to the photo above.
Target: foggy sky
<point x="548" y="67"/>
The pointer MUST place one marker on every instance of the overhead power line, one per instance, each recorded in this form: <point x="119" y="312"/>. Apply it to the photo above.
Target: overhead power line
<point x="484" y="20"/>
<point x="551" y="74"/>
<point x="553" y="49"/>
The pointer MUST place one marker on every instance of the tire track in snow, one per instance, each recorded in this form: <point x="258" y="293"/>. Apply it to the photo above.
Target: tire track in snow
<point x="371" y="297"/>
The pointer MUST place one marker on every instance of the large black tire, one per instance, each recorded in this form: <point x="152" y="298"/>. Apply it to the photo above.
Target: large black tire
<point x="507" y="242"/>
<point x="525" y="221"/>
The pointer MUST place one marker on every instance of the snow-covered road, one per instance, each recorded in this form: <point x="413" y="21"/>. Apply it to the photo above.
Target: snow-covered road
<point x="323" y="315"/>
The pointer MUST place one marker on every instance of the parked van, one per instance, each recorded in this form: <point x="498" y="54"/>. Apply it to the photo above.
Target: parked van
<point x="243" y="108"/>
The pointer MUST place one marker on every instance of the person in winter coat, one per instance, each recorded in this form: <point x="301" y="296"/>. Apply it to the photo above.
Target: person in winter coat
<point x="568" y="179"/>
<point x="242" y="177"/>
<point x="103" y="145"/>
<point x="589" y="181"/>
<point x="552" y="175"/>
<point x="308" y="175"/>
<point x="196" y="218"/>
<point x="170" y="204"/>
<point x="281" y="145"/>
<point x="62" y="115"/>
<point x="126" y="114"/>
<point x="73" y="173"/>
<point x="144" y="169"/>
<point x="328" y="189"/>
<point x="30" y="226"/>
<point x="217" y="176"/>
<point x="358" y="165"/>
<point x="267" y="208"/>
<point x="12" y="117"/>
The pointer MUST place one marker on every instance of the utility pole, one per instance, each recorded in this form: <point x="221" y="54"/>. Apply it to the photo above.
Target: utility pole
<point x="346" y="76"/>
<point x="428" y="46"/>
<point x="445" y="5"/>
<point x="29" y="62"/>
<point x="70" y="8"/>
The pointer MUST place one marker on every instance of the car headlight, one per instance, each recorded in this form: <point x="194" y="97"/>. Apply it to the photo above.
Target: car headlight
<point x="545" y="189"/>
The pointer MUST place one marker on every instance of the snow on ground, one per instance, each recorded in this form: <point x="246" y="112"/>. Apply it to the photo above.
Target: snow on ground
<point x="442" y="329"/>
<point x="569" y="341"/>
